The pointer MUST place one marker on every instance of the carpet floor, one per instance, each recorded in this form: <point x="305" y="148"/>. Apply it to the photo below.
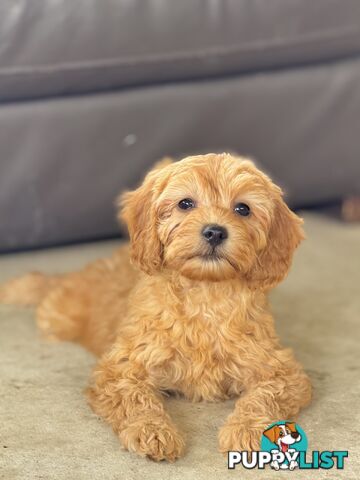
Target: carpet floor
<point x="47" y="431"/>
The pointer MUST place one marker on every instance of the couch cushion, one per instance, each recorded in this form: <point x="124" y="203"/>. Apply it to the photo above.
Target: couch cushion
<point x="63" y="161"/>
<point x="63" y="47"/>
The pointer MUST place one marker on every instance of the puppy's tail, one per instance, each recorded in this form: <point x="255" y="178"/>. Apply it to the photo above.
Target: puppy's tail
<point x="28" y="289"/>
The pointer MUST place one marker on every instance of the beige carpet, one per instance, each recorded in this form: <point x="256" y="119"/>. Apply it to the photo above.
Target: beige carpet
<point x="48" y="432"/>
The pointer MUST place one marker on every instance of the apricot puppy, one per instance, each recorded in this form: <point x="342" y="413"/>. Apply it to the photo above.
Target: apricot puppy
<point x="209" y="236"/>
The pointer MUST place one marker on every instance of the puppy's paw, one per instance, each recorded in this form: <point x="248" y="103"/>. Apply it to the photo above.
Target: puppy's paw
<point x="154" y="437"/>
<point x="237" y="436"/>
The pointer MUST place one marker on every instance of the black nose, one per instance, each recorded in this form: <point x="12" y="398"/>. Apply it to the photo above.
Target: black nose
<point x="214" y="234"/>
<point x="295" y="435"/>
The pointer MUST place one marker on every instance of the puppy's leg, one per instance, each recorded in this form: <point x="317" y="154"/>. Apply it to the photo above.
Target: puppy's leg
<point x="124" y="394"/>
<point x="280" y="397"/>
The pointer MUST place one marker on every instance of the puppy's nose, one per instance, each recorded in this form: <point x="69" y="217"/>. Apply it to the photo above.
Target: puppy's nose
<point x="295" y="435"/>
<point x="214" y="234"/>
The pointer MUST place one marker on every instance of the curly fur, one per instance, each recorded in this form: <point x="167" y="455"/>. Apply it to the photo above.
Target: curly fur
<point x="172" y="319"/>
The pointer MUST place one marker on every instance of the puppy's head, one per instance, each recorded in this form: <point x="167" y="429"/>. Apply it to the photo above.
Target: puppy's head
<point x="212" y="217"/>
<point x="283" y="435"/>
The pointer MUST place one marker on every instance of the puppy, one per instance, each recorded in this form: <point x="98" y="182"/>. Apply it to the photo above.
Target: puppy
<point x="283" y="436"/>
<point x="183" y="308"/>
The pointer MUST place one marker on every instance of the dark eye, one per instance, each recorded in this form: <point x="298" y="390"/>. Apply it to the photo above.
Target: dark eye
<point x="242" y="209"/>
<point x="186" y="204"/>
<point x="281" y="433"/>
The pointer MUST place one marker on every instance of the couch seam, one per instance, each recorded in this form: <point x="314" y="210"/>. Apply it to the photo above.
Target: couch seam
<point x="212" y="52"/>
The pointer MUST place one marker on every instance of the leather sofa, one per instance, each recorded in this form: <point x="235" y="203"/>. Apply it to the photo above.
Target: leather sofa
<point x="93" y="92"/>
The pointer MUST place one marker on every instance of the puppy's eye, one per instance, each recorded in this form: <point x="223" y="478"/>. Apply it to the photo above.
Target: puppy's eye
<point x="242" y="209"/>
<point x="281" y="433"/>
<point x="186" y="204"/>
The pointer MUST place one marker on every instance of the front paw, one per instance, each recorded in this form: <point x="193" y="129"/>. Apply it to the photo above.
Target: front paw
<point x="154" y="437"/>
<point x="237" y="436"/>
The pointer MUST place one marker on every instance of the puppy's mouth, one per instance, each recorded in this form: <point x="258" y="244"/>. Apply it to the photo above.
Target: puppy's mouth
<point x="284" y="446"/>
<point x="206" y="264"/>
<point x="213" y="256"/>
<point x="210" y="256"/>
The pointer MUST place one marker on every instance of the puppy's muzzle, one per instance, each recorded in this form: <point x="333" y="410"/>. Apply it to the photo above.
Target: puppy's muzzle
<point x="295" y="435"/>
<point x="214" y="234"/>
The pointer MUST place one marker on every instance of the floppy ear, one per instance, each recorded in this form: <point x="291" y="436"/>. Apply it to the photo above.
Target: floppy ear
<point x="270" y="434"/>
<point x="273" y="262"/>
<point x="139" y="213"/>
<point x="291" y="425"/>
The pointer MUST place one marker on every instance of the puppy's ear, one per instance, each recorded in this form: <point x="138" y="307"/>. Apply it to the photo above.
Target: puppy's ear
<point x="137" y="210"/>
<point x="291" y="426"/>
<point x="270" y="433"/>
<point x="285" y="234"/>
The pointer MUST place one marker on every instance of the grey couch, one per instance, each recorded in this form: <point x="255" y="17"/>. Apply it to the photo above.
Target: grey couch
<point x="92" y="92"/>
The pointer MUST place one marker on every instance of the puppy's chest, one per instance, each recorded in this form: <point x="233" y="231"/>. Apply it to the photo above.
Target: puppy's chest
<point x="205" y="361"/>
